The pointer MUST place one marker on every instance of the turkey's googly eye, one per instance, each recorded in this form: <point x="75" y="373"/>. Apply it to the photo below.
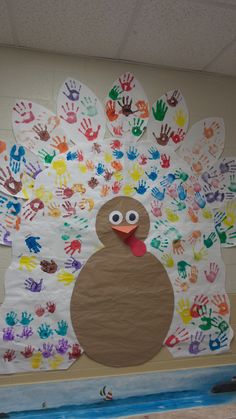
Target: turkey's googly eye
<point x="132" y="217"/>
<point x="115" y="217"/>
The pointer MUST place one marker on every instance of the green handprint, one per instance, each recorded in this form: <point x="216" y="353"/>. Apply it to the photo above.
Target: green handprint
<point x="137" y="127"/>
<point x="210" y="240"/>
<point x="232" y="186"/>
<point x="115" y="92"/>
<point x="182" y="271"/>
<point x="180" y="205"/>
<point x="222" y="234"/>
<point x="46" y="157"/>
<point x="222" y="325"/>
<point x="156" y="243"/>
<point x="179" y="174"/>
<point x="160" y="111"/>
<point x="207" y="321"/>
<point x="11" y="318"/>
<point x="90" y="106"/>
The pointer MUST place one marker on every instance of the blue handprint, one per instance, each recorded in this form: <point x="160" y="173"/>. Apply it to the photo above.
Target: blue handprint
<point x="72" y="155"/>
<point x="16" y="157"/>
<point x="62" y="328"/>
<point x="26" y="318"/>
<point x="182" y="194"/>
<point x="118" y="154"/>
<point x="168" y="180"/>
<point x="142" y="187"/>
<point x="11" y="318"/>
<point x="3" y="201"/>
<point x="153" y="174"/>
<point x="154" y="153"/>
<point x="44" y="331"/>
<point x="100" y="169"/>
<point x="15" y="205"/>
<point x="219" y="342"/>
<point x="199" y="200"/>
<point x="157" y="194"/>
<point x="132" y="153"/>
<point x="32" y="244"/>
<point x="73" y="91"/>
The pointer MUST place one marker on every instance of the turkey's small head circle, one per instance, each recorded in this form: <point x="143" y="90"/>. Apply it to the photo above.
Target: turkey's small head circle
<point x="120" y="218"/>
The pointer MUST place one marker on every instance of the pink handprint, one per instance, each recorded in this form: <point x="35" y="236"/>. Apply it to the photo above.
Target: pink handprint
<point x="70" y="112"/>
<point x="25" y="112"/>
<point x="156" y="208"/>
<point x="212" y="273"/>
<point x="69" y="208"/>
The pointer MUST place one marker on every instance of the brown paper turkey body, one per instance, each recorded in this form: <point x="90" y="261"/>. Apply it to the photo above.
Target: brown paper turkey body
<point x="121" y="311"/>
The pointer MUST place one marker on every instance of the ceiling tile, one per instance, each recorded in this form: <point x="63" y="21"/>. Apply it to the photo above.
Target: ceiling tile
<point x="73" y="26"/>
<point x="179" y="33"/>
<point x="225" y="63"/>
<point x="5" y="27"/>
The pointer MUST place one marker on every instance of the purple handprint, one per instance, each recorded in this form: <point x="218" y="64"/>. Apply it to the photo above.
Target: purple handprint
<point x="33" y="286"/>
<point x="8" y="333"/>
<point x="73" y="91"/>
<point x="47" y="350"/>
<point x="26" y="332"/>
<point x="62" y="346"/>
<point x="33" y="170"/>
<point x="74" y="264"/>
<point x="194" y="347"/>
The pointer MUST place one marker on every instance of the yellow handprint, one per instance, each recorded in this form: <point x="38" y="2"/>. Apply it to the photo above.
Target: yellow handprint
<point x="62" y="174"/>
<point x="128" y="190"/>
<point x="118" y="176"/>
<point x="136" y="173"/>
<point x="83" y="168"/>
<point x="86" y="204"/>
<point x="230" y="214"/>
<point x="65" y="277"/>
<point x="171" y="215"/>
<point x="36" y="360"/>
<point x="184" y="310"/>
<point x="43" y="194"/>
<point x="28" y="186"/>
<point x="108" y="157"/>
<point x="27" y="262"/>
<point x="54" y="210"/>
<point x="207" y="214"/>
<point x="168" y="260"/>
<point x="180" y="118"/>
<point x="201" y="254"/>
<point x="55" y="361"/>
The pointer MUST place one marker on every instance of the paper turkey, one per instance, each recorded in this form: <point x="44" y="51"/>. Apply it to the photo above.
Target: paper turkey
<point x="118" y="249"/>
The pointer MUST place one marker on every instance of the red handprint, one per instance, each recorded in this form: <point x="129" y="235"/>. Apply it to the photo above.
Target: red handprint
<point x="50" y="307"/>
<point x="9" y="355"/>
<point x="118" y="130"/>
<point x="28" y="351"/>
<point x="87" y="130"/>
<point x="32" y="208"/>
<point x="165" y="161"/>
<point x="39" y="311"/>
<point x="111" y="110"/>
<point x="64" y="192"/>
<point x="143" y="160"/>
<point x="72" y="247"/>
<point x="199" y="303"/>
<point x="25" y="112"/>
<point x="116" y="187"/>
<point x="178" y="136"/>
<point x="179" y="336"/>
<point x="76" y="351"/>
<point x="116" y="144"/>
<point x="126" y="82"/>
<point x="70" y="113"/>
<point x="9" y="183"/>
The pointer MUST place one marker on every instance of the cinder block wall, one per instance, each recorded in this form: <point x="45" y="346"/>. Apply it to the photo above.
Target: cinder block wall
<point x="38" y="76"/>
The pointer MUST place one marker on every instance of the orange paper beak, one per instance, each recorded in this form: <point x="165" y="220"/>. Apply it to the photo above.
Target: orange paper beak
<point x="124" y="231"/>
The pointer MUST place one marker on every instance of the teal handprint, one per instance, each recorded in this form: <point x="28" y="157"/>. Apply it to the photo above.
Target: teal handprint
<point x="90" y="106"/>
<point x="159" y="244"/>
<point x="179" y="205"/>
<point x="11" y="318"/>
<point x="44" y="331"/>
<point x="182" y="268"/>
<point x="179" y="174"/>
<point x="210" y="240"/>
<point x="137" y="127"/>
<point x="232" y="186"/>
<point x="115" y="92"/>
<point x="26" y="318"/>
<point x="160" y="111"/>
<point x="62" y="328"/>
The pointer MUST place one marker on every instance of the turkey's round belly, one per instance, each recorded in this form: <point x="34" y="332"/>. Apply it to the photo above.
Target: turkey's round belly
<point x="121" y="308"/>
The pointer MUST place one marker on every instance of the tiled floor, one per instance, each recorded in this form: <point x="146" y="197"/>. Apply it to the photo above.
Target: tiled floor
<point x="218" y="412"/>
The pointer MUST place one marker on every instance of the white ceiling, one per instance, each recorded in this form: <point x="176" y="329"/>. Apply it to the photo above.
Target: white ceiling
<point x="189" y="34"/>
